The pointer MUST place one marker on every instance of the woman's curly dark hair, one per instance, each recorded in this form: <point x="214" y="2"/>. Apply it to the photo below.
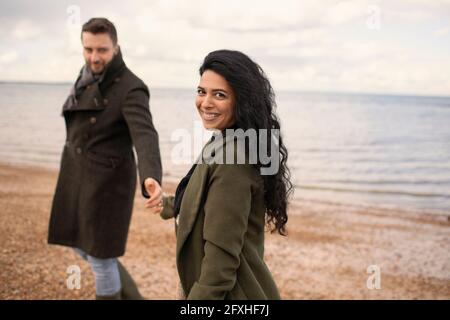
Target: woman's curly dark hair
<point x="255" y="109"/>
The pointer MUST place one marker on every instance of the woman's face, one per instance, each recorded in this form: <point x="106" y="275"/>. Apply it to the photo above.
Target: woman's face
<point x="215" y="101"/>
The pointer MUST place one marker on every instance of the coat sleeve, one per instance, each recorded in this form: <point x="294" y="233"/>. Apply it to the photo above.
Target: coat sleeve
<point x="227" y="208"/>
<point x="167" y="212"/>
<point x="145" y="138"/>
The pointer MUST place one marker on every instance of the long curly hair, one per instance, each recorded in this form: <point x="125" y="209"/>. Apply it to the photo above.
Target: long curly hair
<point x="255" y="109"/>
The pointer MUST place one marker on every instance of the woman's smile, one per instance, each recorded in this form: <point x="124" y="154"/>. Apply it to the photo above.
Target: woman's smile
<point x="209" y="116"/>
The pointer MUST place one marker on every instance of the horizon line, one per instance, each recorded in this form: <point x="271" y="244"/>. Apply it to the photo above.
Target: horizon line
<point x="279" y="90"/>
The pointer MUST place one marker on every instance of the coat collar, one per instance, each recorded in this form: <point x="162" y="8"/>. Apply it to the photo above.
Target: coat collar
<point x="115" y="68"/>
<point x="92" y="97"/>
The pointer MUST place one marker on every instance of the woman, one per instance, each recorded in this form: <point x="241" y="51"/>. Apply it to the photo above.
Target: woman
<point x="221" y="209"/>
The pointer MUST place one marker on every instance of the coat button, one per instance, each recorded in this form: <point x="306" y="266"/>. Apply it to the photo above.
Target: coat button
<point x="105" y="101"/>
<point x="88" y="87"/>
<point x="117" y="79"/>
<point x="78" y="150"/>
<point x="93" y="120"/>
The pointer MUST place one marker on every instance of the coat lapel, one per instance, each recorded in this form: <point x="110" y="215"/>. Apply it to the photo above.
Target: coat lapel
<point x="197" y="187"/>
<point x="91" y="99"/>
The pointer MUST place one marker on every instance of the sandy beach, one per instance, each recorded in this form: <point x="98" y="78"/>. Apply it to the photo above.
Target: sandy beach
<point x="325" y="256"/>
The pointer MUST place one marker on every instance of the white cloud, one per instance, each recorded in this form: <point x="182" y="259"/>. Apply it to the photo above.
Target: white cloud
<point x="307" y="45"/>
<point x="344" y="12"/>
<point x="442" y="32"/>
<point x="25" y="30"/>
<point x="9" y="57"/>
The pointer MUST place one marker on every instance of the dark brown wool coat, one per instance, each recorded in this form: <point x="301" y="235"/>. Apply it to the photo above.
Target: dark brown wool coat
<point x="97" y="180"/>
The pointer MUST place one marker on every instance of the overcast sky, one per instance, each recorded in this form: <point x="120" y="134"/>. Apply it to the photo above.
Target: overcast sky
<point x="347" y="46"/>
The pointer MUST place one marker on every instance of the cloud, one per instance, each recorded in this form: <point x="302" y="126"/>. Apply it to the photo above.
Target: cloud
<point x="9" y="57"/>
<point x="25" y="30"/>
<point x="442" y="32"/>
<point x="307" y="45"/>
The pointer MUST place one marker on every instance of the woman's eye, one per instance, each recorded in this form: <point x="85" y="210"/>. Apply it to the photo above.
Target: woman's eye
<point x="199" y="91"/>
<point x="220" y="95"/>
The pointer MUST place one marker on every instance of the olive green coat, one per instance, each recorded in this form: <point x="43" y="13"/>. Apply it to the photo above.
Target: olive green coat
<point x="220" y="234"/>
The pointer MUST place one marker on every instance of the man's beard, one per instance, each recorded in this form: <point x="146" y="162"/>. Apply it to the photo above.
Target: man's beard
<point x="100" y="68"/>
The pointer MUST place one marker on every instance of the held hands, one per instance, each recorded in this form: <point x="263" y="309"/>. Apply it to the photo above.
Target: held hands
<point x="155" y="202"/>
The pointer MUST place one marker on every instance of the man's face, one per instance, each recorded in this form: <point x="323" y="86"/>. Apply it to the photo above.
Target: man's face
<point x="98" y="50"/>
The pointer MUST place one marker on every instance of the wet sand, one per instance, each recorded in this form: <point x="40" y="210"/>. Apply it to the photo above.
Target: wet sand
<point x="325" y="256"/>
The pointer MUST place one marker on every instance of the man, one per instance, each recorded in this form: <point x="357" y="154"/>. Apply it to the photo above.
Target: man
<point x="106" y="113"/>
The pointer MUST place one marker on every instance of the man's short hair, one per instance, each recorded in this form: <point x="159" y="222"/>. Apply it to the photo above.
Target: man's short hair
<point x="100" y="25"/>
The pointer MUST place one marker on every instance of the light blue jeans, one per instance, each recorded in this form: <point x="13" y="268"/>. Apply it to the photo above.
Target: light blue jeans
<point x="106" y="273"/>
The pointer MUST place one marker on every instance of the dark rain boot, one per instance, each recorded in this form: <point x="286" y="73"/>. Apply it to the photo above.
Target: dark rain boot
<point x="116" y="296"/>
<point x="129" y="288"/>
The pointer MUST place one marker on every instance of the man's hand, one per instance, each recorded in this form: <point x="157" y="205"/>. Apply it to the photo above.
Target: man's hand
<point x="155" y="202"/>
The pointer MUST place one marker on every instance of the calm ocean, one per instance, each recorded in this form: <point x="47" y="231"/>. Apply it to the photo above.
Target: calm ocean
<point x="379" y="150"/>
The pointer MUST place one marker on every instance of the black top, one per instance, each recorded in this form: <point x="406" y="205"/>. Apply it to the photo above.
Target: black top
<point x="180" y="190"/>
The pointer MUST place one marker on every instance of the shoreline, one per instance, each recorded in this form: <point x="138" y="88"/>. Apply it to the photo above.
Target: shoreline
<point x="172" y="182"/>
<point x="326" y="255"/>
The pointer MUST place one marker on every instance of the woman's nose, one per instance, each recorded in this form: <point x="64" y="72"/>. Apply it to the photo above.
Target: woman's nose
<point x="207" y="101"/>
